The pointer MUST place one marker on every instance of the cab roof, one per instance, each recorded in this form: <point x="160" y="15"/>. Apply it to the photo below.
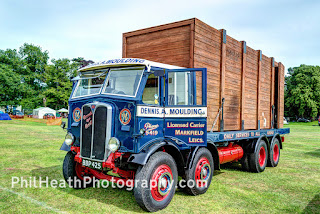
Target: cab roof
<point x="127" y="62"/>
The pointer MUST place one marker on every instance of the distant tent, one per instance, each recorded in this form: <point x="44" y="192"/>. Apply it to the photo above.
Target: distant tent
<point x="4" y="116"/>
<point x="39" y="112"/>
<point x="63" y="110"/>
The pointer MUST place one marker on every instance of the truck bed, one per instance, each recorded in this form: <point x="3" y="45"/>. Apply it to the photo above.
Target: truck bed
<point x="244" y="135"/>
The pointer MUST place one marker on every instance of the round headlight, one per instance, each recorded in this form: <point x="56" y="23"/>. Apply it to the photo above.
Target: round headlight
<point x="114" y="144"/>
<point x="69" y="139"/>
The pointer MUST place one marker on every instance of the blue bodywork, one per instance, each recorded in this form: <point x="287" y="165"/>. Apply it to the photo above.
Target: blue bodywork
<point x="131" y="140"/>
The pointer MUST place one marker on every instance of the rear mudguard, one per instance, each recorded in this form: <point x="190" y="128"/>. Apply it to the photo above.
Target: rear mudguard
<point x="279" y="138"/>
<point x="252" y="147"/>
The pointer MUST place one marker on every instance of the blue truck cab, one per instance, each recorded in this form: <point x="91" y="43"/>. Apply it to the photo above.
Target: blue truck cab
<point x="136" y="120"/>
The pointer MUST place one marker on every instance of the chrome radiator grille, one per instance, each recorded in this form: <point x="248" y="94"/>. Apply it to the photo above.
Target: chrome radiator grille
<point x="95" y="131"/>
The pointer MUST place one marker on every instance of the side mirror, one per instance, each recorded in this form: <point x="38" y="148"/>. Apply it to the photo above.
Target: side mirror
<point x="63" y="125"/>
<point x="159" y="73"/>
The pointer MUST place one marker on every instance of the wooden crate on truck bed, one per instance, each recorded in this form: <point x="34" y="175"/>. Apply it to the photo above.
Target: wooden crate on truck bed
<point x="251" y="83"/>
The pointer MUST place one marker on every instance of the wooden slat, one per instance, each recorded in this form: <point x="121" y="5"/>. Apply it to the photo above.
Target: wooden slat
<point x="192" y="33"/>
<point x="272" y="91"/>
<point x="159" y="28"/>
<point x="243" y="84"/>
<point x="258" y="89"/>
<point x="280" y="94"/>
<point x="124" y="46"/>
<point x="222" y="71"/>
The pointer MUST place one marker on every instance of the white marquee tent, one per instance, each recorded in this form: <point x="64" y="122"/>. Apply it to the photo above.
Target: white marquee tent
<point x="63" y="110"/>
<point x="39" y="112"/>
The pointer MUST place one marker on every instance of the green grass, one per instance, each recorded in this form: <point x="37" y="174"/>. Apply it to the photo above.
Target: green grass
<point x="30" y="149"/>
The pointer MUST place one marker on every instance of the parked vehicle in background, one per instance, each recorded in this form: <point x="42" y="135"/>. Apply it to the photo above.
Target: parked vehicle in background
<point x="303" y="120"/>
<point x="285" y="121"/>
<point x="30" y="115"/>
<point x="319" y="120"/>
<point x="48" y="116"/>
<point x="17" y="114"/>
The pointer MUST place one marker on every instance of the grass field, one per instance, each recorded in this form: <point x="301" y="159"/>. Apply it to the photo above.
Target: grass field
<point x="29" y="149"/>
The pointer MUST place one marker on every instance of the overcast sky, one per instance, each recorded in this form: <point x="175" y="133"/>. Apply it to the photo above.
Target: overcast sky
<point x="286" y="30"/>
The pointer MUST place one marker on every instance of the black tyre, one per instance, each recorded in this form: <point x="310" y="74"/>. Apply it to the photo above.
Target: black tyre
<point x="199" y="176"/>
<point x="274" y="154"/>
<point x="245" y="162"/>
<point x="258" y="159"/>
<point x="156" y="181"/>
<point x="75" y="174"/>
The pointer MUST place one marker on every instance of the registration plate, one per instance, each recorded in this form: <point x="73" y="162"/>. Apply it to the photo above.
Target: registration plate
<point x="92" y="164"/>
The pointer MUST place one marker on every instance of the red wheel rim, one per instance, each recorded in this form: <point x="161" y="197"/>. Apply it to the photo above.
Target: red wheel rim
<point x="203" y="172"/>
<point x="82" y="171"/>
<point x="161" y="182"/>
<point x="276" y="153"/>
<point x="262" y="156"/>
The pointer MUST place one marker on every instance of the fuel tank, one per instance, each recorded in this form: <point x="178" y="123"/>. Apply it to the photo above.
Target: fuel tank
<point x="230" y="153"/>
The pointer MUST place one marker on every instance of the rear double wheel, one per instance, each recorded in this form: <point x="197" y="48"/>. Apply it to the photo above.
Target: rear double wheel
<point x="274" y="154"/>
<point x="257" y="161"/>
<point x="155" y="182"/>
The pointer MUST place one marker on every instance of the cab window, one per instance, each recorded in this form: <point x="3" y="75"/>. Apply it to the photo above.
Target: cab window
<point x="180" y="88"/>
<point x="151" y="91"/>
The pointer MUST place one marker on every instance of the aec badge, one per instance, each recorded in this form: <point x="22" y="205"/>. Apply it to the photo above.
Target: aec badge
<point x="125" y="116"/>
<point x="76" y="114"/>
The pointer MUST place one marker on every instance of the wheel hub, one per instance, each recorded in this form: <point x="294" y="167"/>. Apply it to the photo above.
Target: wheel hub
<point x="262" y="156"/>
<point x="276" y="153"/>
<point x="161" y="182"/>
<point x="203" y="171"/>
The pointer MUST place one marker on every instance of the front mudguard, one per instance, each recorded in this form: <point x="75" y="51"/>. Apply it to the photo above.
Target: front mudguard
<point x="65" y="147"/>
<point x="142" y="157"/>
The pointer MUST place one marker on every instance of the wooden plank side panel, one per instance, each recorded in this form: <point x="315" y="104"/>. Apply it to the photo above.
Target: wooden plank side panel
<point x="272" y="85"/>
<point x="170" y="45"/>
<point x="207" y="54"/>
<point x="153" y="36"/>
<point x="251" y="79"/>
<point x="245" y="83"/>
<point x="232" y="93"/>
<point x="265" y="89"/>
<point x="258" y="91"/>
<point x="281" y="95"/>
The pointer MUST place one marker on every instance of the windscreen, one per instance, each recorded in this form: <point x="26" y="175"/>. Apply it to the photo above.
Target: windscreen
<point x="90" y="84"/>
<point x="123" y="81"/>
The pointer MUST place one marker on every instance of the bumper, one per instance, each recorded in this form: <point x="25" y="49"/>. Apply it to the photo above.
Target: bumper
<point x="108" y="165"/>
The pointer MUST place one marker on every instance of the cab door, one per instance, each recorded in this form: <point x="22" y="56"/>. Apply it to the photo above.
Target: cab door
<point x="150" y="112"/>
<point x="185" y="105"/>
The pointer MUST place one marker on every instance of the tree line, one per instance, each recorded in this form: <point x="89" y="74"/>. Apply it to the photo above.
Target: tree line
<point x="27" y="78"/>
<point x="302" y="92"/>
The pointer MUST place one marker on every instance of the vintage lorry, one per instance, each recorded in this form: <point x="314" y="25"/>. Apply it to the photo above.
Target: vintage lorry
<point x="143" y="120"/>
<point x="215" y="101"/>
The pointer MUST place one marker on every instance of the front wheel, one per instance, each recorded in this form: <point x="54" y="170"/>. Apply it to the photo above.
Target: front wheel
<point x="77" y="176"/>
<point x="199" y="176"/>
<point x="156" y="181"/>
